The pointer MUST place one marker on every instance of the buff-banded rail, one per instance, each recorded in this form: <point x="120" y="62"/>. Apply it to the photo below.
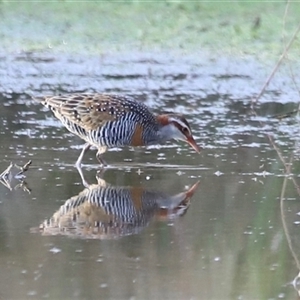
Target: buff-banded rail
<point x="108" y="120"/>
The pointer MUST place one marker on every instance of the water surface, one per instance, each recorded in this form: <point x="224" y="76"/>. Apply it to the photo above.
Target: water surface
<point x="235" y="237"/>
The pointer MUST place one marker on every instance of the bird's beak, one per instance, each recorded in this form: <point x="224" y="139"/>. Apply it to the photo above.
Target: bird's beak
<point x="190" y="140"/>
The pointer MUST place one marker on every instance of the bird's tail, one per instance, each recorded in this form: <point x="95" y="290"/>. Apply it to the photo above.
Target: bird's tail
<point x="53" y="102"/>
<point x="40" y="99"/>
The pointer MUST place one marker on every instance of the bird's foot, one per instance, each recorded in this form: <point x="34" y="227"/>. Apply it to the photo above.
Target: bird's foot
<point x="79" y="160"/>
<point x="100" y="173"/>
<point x="99" y="153"/>
<point x="84" y="182"/>
<point x="102" y="162"/>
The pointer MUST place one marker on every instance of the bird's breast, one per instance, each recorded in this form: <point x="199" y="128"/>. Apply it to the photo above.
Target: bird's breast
<point x="137" y="136"/>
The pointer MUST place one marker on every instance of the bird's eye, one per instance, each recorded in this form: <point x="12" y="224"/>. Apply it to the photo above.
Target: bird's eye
<point x="185" y="131"/>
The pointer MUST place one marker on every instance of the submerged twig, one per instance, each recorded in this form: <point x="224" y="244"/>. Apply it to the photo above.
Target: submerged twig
<point x="295" y="282"/>
<point x="7" y="175"/>
<point x="24" y="168"/>
<point x="285" y="115"/>
<point x="6" y="183"/>
<point x="254" y="101"/>
<point x="23" y="185"/>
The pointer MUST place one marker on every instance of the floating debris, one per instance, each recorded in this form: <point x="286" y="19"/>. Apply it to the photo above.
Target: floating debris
<point x="24" y="186"/>
<point x="286" y="115"/>
<point x="24" y="168"/>
<point x="7" y="175"/>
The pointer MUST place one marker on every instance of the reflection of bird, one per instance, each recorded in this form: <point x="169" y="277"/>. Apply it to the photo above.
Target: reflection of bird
<point x="106" y="121"/>
<point x="102" y="211"/>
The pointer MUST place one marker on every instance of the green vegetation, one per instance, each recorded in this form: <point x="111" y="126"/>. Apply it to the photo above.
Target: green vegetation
<point x="238" y="27"/>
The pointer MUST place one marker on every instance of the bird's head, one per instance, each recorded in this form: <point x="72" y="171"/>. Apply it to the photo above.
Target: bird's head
<point x="175" y="126"/>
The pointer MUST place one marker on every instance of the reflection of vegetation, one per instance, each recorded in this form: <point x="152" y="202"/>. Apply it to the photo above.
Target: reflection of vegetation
<point x="267" y="217"/>
<point x="107" y="26"/>
<point x="265" y="254"/>
<point x="286" y="224"/>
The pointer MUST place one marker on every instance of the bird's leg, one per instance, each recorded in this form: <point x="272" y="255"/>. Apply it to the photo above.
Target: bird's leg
<point x="101" y="150"/>
<point x="78" y="164"/>
<point x="79" y="160"/>
<point x="100" y="180"/>
<point x="100" y="174"/>
<point x="81" y="176"/>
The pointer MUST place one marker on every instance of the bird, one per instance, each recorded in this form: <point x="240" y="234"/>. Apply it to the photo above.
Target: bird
<point x="112" y="120"/>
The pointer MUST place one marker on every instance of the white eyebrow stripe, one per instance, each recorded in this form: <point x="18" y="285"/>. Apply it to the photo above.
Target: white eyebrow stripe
<point x="182" y="124"/>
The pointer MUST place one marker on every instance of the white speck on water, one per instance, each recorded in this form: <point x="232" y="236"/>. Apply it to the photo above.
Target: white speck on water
<point x="46" y="296"/>
<point x="161" y="158"/>
<point x="263" y="173"/>
<point x="218" y="173"/>
<point x="248" y="232"/>
<point x="274" y="267"/>
<point x="252" y="145"/>
<point x="297" y="222"/>
<point x="147" y="177"/>
<point x="37" y="277"/>
<point x="217" y="258"/>
<point x="55" y="250"/>
<point x="103" y="285"/>
<point x="32" y="293"/>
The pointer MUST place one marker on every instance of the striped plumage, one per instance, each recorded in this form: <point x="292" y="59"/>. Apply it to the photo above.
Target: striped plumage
<point x="104" y="211"/>
<point x="106" y="121"/>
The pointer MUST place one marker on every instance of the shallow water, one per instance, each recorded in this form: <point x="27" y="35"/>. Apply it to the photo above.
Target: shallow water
<point x="232" y="238"/>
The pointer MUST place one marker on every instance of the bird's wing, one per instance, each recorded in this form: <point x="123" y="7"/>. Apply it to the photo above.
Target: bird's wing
<point x="89" y="111"/>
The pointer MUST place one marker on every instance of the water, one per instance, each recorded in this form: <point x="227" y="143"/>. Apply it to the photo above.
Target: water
<point x="234" y="237"/>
